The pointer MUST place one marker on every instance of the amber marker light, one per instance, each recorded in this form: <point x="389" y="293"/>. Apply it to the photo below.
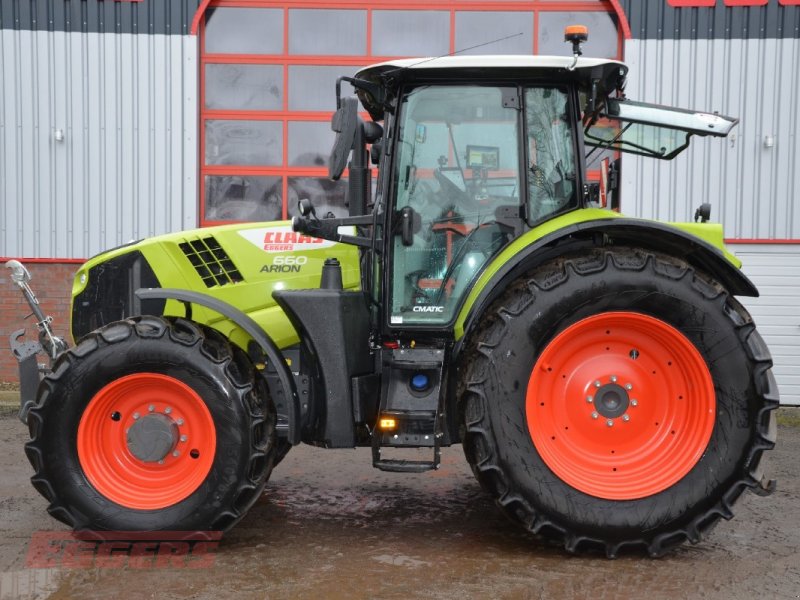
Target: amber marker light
<point x="576" y="32"/>
<point x="387" y="424"/>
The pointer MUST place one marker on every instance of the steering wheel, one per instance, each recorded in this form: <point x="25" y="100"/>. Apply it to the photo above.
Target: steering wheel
<point x="456" y="261"/>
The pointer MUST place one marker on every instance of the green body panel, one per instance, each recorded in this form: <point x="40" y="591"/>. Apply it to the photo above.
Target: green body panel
<point x="709" y="232"/>
<point x="260" y="252"/>
<point x="244" y="244"/>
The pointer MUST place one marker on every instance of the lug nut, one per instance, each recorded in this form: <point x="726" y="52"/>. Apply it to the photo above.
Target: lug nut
<point x="597" y="384"/>
<point x="589" y="399"/>
<point x="613" y="379"/>
<point x="135" y="416"/>
<point x="610" y="423"/>
<point x="634" y="402"/>
<point x="176" y="454"/>
<point x="595" y="415"/>
<point x="183" y="438"/>
<point x="179" y="421"/>
<point x="167" y="410"/>
<point x="626" y="418"/>
<point x="151" y="408"/>
<point x="161" y="462"/>
<point x="628" y="387"/>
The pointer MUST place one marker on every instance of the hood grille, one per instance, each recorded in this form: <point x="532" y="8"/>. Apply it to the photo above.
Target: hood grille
<point x="211" y="262"/>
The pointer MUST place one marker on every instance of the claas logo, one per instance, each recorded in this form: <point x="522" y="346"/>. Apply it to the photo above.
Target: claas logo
<point x="281" y="241"/>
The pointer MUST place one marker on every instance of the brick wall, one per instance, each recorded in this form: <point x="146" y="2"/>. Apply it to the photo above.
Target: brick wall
<point x="52" y="284"/>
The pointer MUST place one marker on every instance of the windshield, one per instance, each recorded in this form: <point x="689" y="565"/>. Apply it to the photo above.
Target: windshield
<point x="459" y="167"/>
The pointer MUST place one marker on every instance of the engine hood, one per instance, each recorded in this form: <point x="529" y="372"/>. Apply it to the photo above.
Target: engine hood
<point x="240" y="264"/>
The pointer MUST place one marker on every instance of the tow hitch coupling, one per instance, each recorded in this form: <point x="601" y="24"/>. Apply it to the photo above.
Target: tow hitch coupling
<point x="26" y="351"/>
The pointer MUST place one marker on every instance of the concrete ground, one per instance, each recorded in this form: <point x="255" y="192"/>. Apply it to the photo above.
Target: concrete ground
<point x="330" y="526"/>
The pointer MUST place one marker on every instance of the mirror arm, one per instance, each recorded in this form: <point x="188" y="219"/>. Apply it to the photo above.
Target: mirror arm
<point x="360" y="175"/>
<point x="328" y="229"/>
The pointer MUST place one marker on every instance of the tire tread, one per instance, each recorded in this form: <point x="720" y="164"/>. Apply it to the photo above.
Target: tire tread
<point x="473" y="400"/>
<point x="250" y="388"/>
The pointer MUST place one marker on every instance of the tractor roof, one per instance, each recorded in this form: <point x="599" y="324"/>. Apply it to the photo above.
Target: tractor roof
<point x="610" y="74"/>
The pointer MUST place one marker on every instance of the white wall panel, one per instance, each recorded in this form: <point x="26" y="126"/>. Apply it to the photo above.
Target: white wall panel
<point x="775" y="269"/>
<point x="753" y="188"/>
<point x="127" y="166"/>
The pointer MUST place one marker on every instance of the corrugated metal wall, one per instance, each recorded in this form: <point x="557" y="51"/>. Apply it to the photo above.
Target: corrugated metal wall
<point x="92" y="16"/>
<point x="752" y="186"/>
<point x="127" y="164"/>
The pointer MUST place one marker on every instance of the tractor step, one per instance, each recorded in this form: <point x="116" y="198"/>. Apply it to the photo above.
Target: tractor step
<point x="412" y="429"/>
<point x="408" y="466"/>
<point x="409" y="413"/>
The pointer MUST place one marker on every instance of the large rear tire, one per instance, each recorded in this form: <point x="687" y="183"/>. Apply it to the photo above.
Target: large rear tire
<point x="152" y="424"/>
<point x="617" y="398"/>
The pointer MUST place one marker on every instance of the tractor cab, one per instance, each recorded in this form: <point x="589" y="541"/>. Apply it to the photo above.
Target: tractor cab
<point x="475" y="151"/>
<point x="483" y="149"/>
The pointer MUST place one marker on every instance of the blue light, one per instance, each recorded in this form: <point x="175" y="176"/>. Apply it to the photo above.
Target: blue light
<point x="419" y="382"/>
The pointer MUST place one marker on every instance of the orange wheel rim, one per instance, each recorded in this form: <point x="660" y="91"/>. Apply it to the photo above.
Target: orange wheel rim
<point x="620" y="405"/>
<point x="146" y="441"/>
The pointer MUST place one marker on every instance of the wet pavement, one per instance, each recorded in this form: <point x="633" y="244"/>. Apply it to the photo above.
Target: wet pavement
<point x="330" y="526"/>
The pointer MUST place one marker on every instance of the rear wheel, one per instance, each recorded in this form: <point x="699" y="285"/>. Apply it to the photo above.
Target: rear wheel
<point x="152" y="424"/>
<point x="617" y="398"/>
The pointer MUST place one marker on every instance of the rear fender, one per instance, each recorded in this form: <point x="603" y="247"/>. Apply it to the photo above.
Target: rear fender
<point x="706" y="253"/>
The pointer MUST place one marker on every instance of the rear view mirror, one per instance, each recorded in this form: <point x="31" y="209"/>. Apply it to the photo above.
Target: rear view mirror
<point x="344" y="123"/>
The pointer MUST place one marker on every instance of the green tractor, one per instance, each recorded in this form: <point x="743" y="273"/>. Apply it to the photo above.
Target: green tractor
<point x="608" y="389"/>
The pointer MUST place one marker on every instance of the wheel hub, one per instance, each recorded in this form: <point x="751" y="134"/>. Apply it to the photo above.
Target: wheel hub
<point x="611" y="401"/>
<point x="146" y="441"/>
<point x="152" y="437"/>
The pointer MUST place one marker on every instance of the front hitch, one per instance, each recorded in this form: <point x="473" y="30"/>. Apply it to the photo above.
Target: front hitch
<point x="26" y="351"/>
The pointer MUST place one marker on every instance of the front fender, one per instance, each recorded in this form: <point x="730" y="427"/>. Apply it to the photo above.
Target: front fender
<point x="252" y="328"/>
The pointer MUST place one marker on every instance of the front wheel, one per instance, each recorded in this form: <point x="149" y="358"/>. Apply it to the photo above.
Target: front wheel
<point x="152" y="424"/>
<point x="617" y="398"/>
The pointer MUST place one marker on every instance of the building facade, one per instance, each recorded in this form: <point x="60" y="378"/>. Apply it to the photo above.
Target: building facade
<point x="123" y="119"/>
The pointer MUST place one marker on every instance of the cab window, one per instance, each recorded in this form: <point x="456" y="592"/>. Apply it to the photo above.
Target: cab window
<point x="551" y="165"/>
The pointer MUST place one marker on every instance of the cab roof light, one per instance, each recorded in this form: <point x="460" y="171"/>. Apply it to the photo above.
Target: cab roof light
<point x="579" y="32"/>
<point x="576" y="35"/>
